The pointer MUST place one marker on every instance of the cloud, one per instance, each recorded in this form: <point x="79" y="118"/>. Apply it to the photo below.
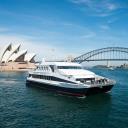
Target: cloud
<point x="100" y="8"/>
<point x="3" y="29"/>
<point x="112" y="20"/>
<point x="104" y="27"/>
<point x="42" y="49"/>
<point x="89" y="35"/>
<point x="111" y="6"/>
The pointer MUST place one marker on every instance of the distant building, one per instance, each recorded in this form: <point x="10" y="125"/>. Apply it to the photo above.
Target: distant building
<point x="12" y="58"/>
<point x="69" y="58"/>
<point x="124" y="66"/>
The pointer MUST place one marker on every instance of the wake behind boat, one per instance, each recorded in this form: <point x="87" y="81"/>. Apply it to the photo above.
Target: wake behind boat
<point x="68" y="78"/>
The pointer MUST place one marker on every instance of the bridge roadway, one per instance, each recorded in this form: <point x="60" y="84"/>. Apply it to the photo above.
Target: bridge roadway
<point x="104" y="54"/>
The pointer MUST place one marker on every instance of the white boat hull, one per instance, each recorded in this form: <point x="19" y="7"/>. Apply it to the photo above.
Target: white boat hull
<point x="73" y="89"/>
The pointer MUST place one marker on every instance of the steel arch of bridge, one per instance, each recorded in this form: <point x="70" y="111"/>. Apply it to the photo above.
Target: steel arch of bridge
<point x="104" y="54"/>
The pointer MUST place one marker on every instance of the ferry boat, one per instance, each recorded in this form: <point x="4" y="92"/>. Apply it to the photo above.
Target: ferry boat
<point x="68" y="78"/>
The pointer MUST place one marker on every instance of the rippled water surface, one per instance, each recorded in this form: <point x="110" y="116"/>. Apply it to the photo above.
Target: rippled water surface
<point x="26" y="107"/>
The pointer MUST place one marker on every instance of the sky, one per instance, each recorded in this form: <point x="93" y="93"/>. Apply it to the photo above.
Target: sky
<point x="59" y="28"/>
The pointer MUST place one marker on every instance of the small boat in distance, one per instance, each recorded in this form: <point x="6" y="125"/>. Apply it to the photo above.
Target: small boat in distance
<point x="111" y="68"/>
<point x="68" y="78"/>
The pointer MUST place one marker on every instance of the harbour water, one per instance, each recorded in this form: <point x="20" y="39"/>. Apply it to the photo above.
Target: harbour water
<point x="26" y="107"/>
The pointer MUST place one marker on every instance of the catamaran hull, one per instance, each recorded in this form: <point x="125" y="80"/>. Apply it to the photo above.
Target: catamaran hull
<point x="79" y="92"/>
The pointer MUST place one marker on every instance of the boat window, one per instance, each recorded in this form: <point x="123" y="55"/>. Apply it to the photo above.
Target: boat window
<point x="30" y="75"/>
<point x="39" y="68"/>
<point x="47" y="68"/>
<point x="49" y="78"/>
<point x="69" y="67"/>
<point x="52" y="68"/>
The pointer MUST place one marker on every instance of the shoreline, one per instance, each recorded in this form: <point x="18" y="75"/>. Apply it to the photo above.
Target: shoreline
<point x="17" y="67"/>
<point x="14" y="70"/>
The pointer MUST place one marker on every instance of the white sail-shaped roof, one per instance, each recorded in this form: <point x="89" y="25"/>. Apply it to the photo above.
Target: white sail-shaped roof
<point x="16" y="47"/>
<point x="12" y="53"/>
<point x="29" y="57"/>
<point x="4" y="50"/>
<point x="15" y="56"/>
<point x="8" y="54"/>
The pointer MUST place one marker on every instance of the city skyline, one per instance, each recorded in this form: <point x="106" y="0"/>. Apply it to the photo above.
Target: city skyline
<point x="55" y="29"/>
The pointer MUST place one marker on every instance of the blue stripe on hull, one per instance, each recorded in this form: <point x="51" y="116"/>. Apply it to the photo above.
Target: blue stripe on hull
<point x="71" y="91"/>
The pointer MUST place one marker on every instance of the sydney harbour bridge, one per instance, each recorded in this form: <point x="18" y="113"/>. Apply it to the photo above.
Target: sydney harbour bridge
<point x="104" y="54"/>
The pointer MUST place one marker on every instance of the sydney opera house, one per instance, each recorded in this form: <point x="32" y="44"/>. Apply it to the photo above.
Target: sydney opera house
<point x="14" y="59"/>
